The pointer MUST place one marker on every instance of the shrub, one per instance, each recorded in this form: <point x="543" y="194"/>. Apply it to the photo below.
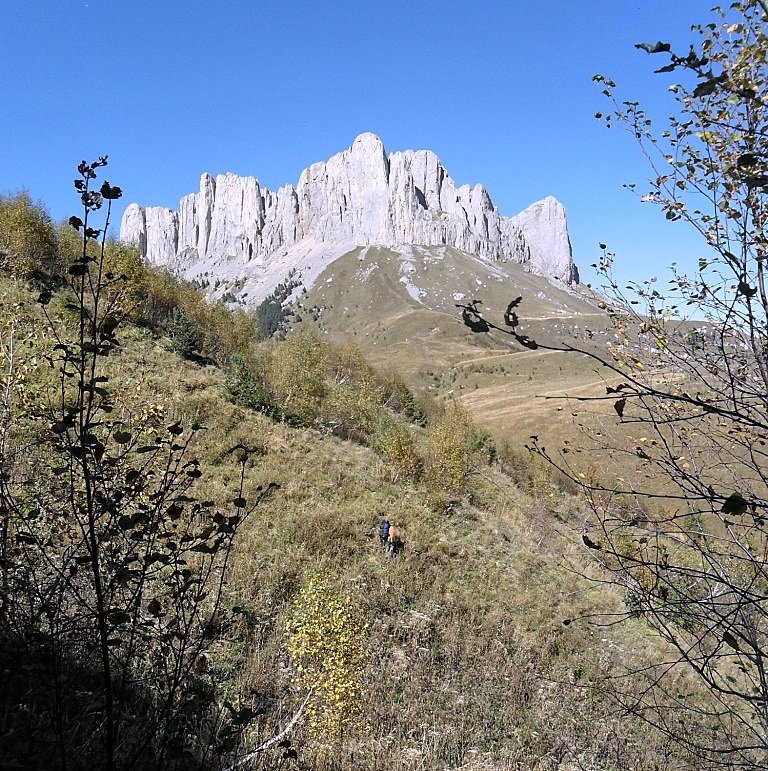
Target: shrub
<point x="113" y="569"/>
<point x="345" y="364"/>
<point x="353" y="410"/>
<point x="449" y="447"/>
<point x="483" y="441"/>
<point x="242" y="387"/>
<point x="326" y="640"/>
<point x="181" y="332"/>
<point x="27" y="237"/>
<point x="393" y="441"/>
<point x="296" y="375"/>
<point x="270" y="314"/>
<point x="401" y="399"/>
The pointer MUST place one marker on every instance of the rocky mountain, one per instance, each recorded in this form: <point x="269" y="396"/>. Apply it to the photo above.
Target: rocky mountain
<point x="241" y="238"/>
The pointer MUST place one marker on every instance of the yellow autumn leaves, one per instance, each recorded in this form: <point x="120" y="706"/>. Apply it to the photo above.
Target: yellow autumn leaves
<point x="326" y="638"/>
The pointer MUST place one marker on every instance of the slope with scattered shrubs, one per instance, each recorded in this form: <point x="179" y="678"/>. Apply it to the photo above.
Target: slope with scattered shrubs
<point x="453" y="654"/>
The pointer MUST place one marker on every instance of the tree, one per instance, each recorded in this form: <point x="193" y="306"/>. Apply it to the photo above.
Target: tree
<point x="353" y="410"/>
<point x="270" y="313"/>
<point x="243" y="387"/>
<point x="395" y="443"/>
<point x="296" y="374"/>
<point x="182" y="332"/>
<point x="682" y="531"/>
<point x="450" y="445"/>
<point x="123" y="267"/>
<point x="27" y="236"/>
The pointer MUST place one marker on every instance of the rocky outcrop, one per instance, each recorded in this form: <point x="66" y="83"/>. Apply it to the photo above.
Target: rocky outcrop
<point x="546" y="232"/>
<point x="361" y="196"/>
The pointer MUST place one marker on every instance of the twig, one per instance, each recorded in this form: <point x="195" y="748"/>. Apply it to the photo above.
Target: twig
<point x="272" y="740"/>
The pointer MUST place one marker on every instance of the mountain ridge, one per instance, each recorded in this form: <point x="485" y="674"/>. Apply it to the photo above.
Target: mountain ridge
<point x="238" y="234"/>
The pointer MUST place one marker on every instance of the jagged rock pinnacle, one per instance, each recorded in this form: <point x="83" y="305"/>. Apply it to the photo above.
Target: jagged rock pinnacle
<point x="360" y="196"/>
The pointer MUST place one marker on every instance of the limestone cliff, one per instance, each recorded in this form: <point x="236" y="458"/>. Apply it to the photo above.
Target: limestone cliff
<point x="235" y="229"/>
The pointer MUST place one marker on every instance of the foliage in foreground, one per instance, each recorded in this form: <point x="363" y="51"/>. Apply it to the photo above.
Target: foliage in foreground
<point x="112" y="567"/>
<point x="326" y="639"/>
<point x="685" y="537"/>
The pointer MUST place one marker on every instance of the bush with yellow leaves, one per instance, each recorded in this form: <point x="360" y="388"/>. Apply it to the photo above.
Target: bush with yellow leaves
<point x="394" y="442"/>
<point x="449" y="448"/>
<point x="326" y="639"/>
<point x="27" y="236"/>
<point x="296" y="374"/>
<point x="353" y="410"/>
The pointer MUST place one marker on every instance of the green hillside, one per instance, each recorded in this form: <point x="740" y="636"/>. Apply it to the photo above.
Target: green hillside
<point x="468" y="663"/>
<point x="510" y="391"/>
<point x="281" y="460"/>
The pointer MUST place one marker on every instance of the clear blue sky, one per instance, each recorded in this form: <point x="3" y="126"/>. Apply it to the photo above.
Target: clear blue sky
<point x="500" y="89"/>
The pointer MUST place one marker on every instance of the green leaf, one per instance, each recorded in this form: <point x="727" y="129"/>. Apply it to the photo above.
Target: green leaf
<point x="747" y="159"/>
<point x="204" y="548"/>
<point x="746" y="289"/>
<point x="589" y="543"/>
<point x="709" y="86"/>
<point x="153" y="607"/>
<point x="157" y="556"/>
<point x="117" y="617"/>
<point x="109" y="192"/>
<point x="244" y="715"/>
<point x="475" y="322"/>
<point x="657" y="48"/>
<point x="735" y="504"/>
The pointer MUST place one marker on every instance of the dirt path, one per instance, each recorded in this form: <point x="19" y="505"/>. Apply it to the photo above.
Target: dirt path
<point x="497" y="356"/>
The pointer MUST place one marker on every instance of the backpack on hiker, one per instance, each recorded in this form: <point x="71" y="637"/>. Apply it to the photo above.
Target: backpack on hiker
<point x="384" y="532"/>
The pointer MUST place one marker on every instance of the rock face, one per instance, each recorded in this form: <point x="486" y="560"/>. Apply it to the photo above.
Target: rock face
<point x="235" y="229"/>
<point x="546" y="230"/>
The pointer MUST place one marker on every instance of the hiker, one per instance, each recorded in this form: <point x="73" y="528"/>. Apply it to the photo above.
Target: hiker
<point x="384" y="532"/>
<point x="395" y="541"/>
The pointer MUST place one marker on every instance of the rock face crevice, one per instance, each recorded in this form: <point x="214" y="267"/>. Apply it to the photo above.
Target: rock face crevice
<point x="360" y="196"/>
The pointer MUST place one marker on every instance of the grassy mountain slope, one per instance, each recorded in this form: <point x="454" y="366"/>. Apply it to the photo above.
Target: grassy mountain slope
<point x="468" y="662"/>
<point x="400" y="308"/>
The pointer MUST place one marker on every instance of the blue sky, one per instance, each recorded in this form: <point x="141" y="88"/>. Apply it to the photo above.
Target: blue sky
<point x="500" y="90"/>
